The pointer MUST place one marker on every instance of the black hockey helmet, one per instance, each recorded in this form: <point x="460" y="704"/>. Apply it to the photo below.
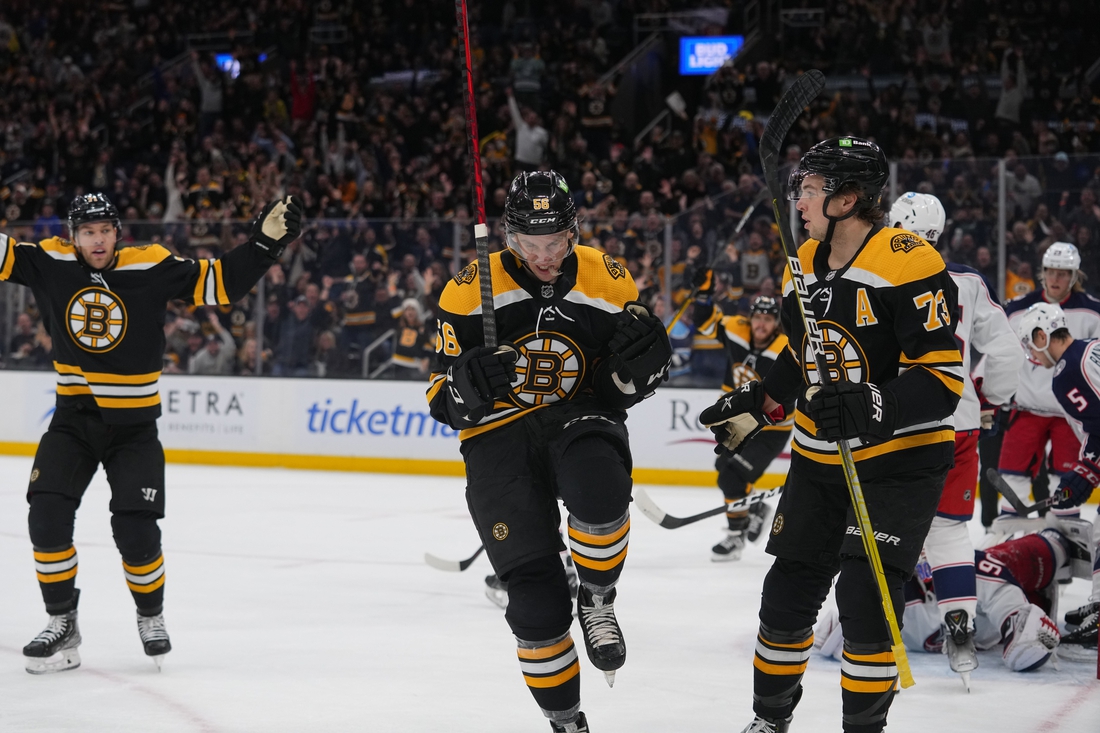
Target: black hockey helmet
<point x="539" y="203"/>
<point x="842" y="160"/>
<point x="764" y="304"/>
<point x="92" y="207"/>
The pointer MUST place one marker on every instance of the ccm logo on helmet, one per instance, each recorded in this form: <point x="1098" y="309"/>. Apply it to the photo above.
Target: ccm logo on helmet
<point x="542" y="220"/>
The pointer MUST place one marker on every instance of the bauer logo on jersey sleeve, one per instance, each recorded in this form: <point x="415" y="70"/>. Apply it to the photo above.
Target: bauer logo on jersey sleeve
<point x="550" y="367"/>
<point x="96" y="320"/>
<point x="905" y="242"/>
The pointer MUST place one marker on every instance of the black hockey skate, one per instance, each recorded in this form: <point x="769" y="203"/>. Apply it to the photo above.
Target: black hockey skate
<point x="730" y="548"/>
<point x="759" y="514"/>
<point x="580" y="725"/>
<point x="496" y="590"/>
<point x="154" y="636"/>
<point x="958" y="645"/>
<point x="603" y="639"/>
<point x="767" y="725"/>
<point x="1080" y="643"/>
<point x="55" y="649"/>
<point x="1078" y="616"/>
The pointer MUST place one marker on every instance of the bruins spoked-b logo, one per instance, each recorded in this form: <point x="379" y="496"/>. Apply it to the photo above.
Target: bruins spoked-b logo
<point x="500" y="531"/>
<point x="843" y="356"/>
<point x="549" y="368"/>
<point x="96" y="319"/>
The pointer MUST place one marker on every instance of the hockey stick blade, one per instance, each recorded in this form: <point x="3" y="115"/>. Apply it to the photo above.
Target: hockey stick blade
<point x="666" y="520"/>
<point x="1012" y="498"/>
<point x="452" y="566"/>
<point x="795" y="99"/>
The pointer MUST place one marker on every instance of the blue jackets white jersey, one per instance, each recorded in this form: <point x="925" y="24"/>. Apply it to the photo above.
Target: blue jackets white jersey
<point x="982" y="324"/>
<point x="1083" y="320"/>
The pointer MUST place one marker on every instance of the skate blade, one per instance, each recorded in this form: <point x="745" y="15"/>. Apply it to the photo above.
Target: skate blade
<point x="610" y="677"/>
<point x="61" y="661"/>
<point x="157" y="660"/>
<point x="498" y="597"/>
<point x="715" y="557"/>
<point x="966" y="679"/>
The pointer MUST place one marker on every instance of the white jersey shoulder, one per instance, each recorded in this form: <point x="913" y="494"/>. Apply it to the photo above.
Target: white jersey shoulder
<point x="983" y="326"/>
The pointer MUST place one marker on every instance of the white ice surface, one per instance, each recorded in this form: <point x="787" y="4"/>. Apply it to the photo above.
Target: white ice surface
<point x="299" y="601"/>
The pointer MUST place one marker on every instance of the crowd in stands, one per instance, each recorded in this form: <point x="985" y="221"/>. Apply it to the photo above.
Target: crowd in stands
<point x="356" y="107"/>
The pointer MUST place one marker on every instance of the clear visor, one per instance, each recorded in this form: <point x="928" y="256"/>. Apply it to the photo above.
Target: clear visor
<point x="541" y="248"/>
<point x="806" y="185"/>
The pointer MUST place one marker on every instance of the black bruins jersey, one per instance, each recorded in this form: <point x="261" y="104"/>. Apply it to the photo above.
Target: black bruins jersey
<point x="561" y="331"/>
<point x="887" y="317"/>
<point x="108" y="326"/>
<point x="744" y="361"/>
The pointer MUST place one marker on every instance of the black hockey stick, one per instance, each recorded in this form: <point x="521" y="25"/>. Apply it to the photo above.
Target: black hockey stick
<point x="452" y="566"/>
<point x="795" y="99"/>
<point x="666" y="520"/>
<point x="481" y="231"/>
<point x="1013" y="498"/>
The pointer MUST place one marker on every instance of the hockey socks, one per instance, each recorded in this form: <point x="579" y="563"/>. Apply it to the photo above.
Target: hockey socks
<point x="56" y="568"/>
<point x="780" y="661"/>
<point x="599" y="550"/>
<point x="868" y="679"/>
<point x="552" y="672"/>
<point x="145" y="579"/>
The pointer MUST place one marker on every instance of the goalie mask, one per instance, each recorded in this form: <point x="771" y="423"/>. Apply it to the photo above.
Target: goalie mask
<point x="920" y="213"/>
<point x="540" y="220"/>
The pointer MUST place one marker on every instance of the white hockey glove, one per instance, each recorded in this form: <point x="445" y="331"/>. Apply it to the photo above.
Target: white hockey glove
<point x="737" y="416"/>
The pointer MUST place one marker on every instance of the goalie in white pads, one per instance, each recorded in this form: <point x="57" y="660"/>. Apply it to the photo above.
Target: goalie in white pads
<point x="981" y="325"/>
<point x="1015" y="597"/>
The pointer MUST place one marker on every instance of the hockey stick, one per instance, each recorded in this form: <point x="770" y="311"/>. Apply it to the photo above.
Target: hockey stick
<point x="481" y="231"/>
<point x="695" y="290"/>
<point x="452" y="566"/>
<point x="658" y="515"/>
<point x="797" y="96"/>
<point x="1013" y="498"/>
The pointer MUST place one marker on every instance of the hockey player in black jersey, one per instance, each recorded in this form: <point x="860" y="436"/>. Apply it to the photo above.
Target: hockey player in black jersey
<point x="884" y="303"/>
<point x="105" y="309"/>
<point x="752" y="345"/>
<point x="543" y="417"/>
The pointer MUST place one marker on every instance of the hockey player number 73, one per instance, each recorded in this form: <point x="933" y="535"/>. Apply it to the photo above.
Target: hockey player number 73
<point x="938" y="317"/>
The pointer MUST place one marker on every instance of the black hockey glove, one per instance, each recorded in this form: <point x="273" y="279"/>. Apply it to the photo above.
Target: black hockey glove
<point x="640" y="349"/>
<point x="481" y="376"/>
<point x="703" y="283"/>
<point x="737" y="416"/>
<point x="847" y="410"/>
<point x="1076" y="486"/>
<point x="279" y="224"/>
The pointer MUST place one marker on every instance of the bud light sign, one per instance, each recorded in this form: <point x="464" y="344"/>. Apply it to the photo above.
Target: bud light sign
<point x="706" y="54"/>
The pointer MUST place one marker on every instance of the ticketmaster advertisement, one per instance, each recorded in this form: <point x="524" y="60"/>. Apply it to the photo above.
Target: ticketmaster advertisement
<point x="352" y="425"/>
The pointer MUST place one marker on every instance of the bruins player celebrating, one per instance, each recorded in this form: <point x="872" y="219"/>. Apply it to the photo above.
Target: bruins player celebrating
<point x="752" y="345"/>
<point x="105" y="308"/>
<point x="543" y="417"/>
<point x="884" y="302"/>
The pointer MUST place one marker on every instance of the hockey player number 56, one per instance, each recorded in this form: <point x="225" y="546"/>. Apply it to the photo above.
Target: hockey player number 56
<point x="938" y="317"/>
